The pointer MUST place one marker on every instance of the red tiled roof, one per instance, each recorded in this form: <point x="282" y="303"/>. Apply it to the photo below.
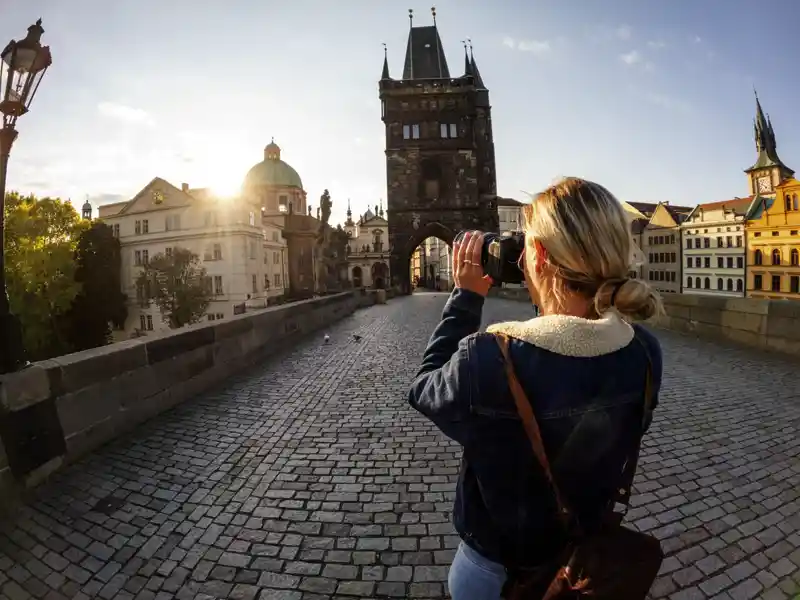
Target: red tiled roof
<point x="735" y="204"/>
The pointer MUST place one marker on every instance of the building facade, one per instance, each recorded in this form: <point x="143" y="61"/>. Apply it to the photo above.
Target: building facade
<point x="509" y="214"/>
<point x="368" y="249"/>
<point x="714" y="248"/>
<point x="773" y="223"/>
<point x="640" y="214"/>
<point x="244" y="259"/>
<point x="661" y="246"/>
<point x="440" y="161"/>
<point x="276" y="187"/>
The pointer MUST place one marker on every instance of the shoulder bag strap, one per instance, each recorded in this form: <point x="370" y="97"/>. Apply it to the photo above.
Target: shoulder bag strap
<point x="623" y="495"/>
<point x="529" y="423"/>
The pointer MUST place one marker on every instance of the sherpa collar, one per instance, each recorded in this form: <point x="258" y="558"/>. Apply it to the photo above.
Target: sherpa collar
<point x="571" y="336"/>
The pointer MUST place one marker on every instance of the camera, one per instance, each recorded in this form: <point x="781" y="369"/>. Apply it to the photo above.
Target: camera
<point x="500" y="256"/>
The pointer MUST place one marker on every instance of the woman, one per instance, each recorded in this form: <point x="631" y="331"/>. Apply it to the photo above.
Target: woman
<point x="581" y="364"/>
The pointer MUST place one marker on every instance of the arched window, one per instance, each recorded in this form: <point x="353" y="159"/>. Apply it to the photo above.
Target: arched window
<point x="794" y="202"/>
<point x="795" y="257"/>
<point x="739" y="285"/>
<point x="688" y="282"/>
<point x="719" y="283"/>
<point x="788" y="202"/>
<point x="697" y="282"/>
<point x="730" y="285"/>
<point x="707" y="283"/>
<point x="757" y="257"/>
<point x="776" y="257"/>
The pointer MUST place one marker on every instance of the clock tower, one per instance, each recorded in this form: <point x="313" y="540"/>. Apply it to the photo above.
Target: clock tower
<point x="768" y="170"/>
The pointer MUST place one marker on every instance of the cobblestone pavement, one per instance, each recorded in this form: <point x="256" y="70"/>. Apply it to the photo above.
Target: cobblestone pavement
<point x="310" y="478"/>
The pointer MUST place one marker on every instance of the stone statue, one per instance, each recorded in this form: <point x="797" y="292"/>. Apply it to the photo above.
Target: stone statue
<point x="325" y="204"/>
<point x="326" y="270"/>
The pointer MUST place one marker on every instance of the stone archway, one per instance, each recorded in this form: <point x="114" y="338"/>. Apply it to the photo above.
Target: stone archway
<point x="358" y="277"/>
<point x="427" y="279"/>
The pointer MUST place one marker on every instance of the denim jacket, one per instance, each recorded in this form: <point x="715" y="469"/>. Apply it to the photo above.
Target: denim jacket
<point x="585" y="380"/>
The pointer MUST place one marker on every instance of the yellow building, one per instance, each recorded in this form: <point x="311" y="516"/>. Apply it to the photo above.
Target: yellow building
<point x="773" y="243"/>
<point x="772" y="221"/>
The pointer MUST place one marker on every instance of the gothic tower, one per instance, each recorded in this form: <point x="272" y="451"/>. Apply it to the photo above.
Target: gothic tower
<point x="440" y="170"/>
<point x="768" y="170"/>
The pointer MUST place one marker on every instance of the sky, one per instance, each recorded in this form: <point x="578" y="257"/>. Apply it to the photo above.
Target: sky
<point x="652" y="98"/>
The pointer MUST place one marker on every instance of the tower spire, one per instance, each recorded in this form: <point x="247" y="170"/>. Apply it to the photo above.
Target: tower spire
<point x="410" y="57"/>
<point x="467" y="61"/>
<point x="438" y="46"/>
<point x="766" y="144"/>
<point x="385" y="73"/>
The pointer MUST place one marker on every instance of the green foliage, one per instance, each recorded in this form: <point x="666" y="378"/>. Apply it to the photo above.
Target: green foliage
<point x="41" y="235"/>
<point x="100" y="303"/>
<point x="178" y="285"/>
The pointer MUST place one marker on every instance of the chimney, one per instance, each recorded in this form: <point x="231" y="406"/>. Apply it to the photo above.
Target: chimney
<point x="184" y="187"/>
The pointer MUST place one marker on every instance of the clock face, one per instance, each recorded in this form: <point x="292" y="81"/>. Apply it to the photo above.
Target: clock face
<point x="158" y="197"/>
<point x="764" y="184"/>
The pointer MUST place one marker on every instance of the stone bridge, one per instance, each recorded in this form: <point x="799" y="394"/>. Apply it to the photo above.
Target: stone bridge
<point x="308" y="477"/>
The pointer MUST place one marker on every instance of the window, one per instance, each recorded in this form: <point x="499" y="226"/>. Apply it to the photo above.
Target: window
<point x="255" y="284"/>
<point x="672" y="275"/>
<point x="168" y="252"/>
<point x="757" y="283"/>
<point x="788" y="202"/>
<point x="707" y="262"/>
<point x="689" y="261"/>
<point x="730" y="262"/>
<point x="776" y="233"/>
<point x="252" y="220"/>
<point x="116" y="230"/>
<point x="137" y="257"/>
<point x="757" y="234"/>
<point x="448" y="130"/>
<point x="137" y="227"/>
<point x="650" y="239"/>
<point x="794" y="284"/>
<point x="739" y="285"/>
<point x="706" y="242"/>
<point x="688" y="243"/>
<point x="415" y="132"/>
<point x="252" y="250"/>
<point x="697" y="282"/>
<point x="277" y="279"/>
<point x="719" y="262"/>
<point x="672" y="239"/>
<point x="707" y="283"/>
<point x="738" y="241"/>
<point x="776" y="257"/>
<point x="730" y="285"/>
<point x="145" y="226"/>
<point x="149" y="322"/>
<point x="739" y="262"/>
<point x="145" y="257"/>
<point x="719" y="242"/>
<point x="672" y="257"/>
<point x="757" y="257"/>
<point x="795" y="205"/>
<point x="274" y="236"/>
<point x="266" y="281"/>
<point x="688" y="282"/>
<point x="172" y="222"/>
<point x="220" y="316"/>
<point x="218" y="290"/>
<point x="406" y="132"/>
<point x="276" y="258"/>
<point x="719" y="283"/>
<point x="210" y="316"/>
<point x="795" y="257"/>
<point x="217" y="252"/>
<point x="696" y="242"/>
<point x="776" y="283"/>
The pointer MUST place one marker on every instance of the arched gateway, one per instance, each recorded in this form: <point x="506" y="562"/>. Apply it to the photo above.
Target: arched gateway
<point x="439" y="151"/>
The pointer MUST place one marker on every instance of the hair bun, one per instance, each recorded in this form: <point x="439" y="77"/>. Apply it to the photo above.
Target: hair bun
<point x="634" y="299"/>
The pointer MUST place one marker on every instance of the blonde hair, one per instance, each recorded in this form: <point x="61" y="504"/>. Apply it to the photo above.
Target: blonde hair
<point x="589" y="247"/>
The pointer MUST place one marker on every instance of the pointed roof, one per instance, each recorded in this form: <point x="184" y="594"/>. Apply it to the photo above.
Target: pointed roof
<point x="425" y="57"/>
<point x="759" y="206"/>
<point x="477" y="74"/>
<point x="385" y="72"/>
<point x="766" y="145"/>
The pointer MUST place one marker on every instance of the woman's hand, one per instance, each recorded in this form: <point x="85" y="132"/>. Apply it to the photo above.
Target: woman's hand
<point x="467" y="268"/>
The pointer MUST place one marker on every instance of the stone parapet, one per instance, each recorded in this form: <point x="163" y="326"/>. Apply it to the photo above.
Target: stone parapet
<point x="764" y="324"/>
<point x="57" y="410"/>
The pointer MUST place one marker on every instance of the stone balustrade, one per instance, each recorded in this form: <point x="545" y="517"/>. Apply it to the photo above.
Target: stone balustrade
<point x="764" y="324"/>
<point x="57" y="410"/>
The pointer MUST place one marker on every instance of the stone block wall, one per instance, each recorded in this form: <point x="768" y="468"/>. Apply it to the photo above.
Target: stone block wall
<point x="57" y="410"/>
<point x="765" y="324"/>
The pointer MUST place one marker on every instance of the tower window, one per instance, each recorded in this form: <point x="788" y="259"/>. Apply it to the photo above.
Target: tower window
<point x="406" y="132"/>
<point x="448" y="130"/>
<point x="415" y="132"/>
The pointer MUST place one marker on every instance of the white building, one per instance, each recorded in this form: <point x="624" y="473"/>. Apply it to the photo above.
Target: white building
<point x="368" y="249"/>
<point x="245" y="259"/>
<point x="432" y="265"/>
<point x="714" y="249"/>
<point x="509" y="213"/>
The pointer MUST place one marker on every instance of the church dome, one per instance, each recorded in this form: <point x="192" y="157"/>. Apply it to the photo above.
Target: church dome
<point x="273" y="171"/>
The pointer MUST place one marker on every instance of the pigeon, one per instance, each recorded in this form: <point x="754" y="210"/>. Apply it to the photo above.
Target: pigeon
<point x="356" y="338"/>
<point x="327" y="338"/>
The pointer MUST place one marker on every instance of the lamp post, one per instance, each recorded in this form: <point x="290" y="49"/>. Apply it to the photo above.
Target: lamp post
<point x="22" y="66"/>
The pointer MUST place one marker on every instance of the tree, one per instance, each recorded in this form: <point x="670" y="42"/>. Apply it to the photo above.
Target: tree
<point x="178" y="285"/>
<point x="100" y="302"/>
<point x="41" y="235"/>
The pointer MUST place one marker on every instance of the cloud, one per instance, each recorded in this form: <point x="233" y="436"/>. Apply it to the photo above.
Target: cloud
<point x="107" y="198"/>
<point x="623" y="32"/>
<point x="697" y="39"/>
<point x="536" y="47"/>
<point x="656" y="44"/>
<point x="121" y="112"/>
<point x="631" y="58"/>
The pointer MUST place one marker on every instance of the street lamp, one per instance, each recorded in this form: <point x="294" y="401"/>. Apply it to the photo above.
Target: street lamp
<point x="22" y="66"/>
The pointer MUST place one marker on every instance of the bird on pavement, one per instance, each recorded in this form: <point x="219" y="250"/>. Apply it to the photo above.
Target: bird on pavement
<point x="327" y="338"/>
<point x="356" y="338"/>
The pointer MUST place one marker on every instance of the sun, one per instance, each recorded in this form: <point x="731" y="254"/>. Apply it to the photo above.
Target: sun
<point x="221" y="171"/>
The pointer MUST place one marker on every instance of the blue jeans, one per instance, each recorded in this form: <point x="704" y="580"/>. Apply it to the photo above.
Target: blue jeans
<point x="473" y="577"/>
